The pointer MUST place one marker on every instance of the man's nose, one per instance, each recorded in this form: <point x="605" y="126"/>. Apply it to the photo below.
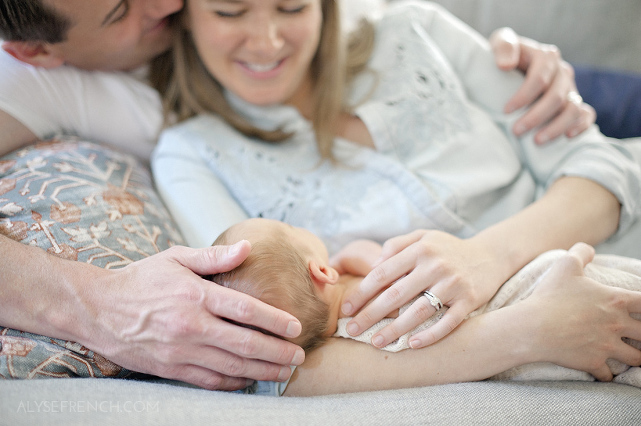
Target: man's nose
<point x="159" y="9"/>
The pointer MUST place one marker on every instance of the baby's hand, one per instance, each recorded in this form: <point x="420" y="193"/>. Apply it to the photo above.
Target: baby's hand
<point x="356" y="258"/>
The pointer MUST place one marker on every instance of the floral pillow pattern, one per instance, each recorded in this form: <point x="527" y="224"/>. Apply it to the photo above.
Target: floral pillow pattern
<point x="83" y="202"/>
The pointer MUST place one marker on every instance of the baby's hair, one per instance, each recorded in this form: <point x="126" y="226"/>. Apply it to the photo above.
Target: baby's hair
<point x="276" y="273"/>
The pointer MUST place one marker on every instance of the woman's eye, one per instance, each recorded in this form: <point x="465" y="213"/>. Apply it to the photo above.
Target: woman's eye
<point x="229" y="14"/>
<point x="294" y="10"/>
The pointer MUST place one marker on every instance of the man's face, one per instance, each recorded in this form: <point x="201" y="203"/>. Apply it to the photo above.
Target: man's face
<point x="114" y="34"/>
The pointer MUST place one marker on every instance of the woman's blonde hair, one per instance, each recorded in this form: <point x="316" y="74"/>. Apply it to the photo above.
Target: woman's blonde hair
<point x="189" y="89"/>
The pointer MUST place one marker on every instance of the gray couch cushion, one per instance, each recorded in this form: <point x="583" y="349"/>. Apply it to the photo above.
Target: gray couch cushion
<point x="121" y="402"/>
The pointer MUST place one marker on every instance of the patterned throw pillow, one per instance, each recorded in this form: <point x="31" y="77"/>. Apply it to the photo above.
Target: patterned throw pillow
<point x="84" y="202"/>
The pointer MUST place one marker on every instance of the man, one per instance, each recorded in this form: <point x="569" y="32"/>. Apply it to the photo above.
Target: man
<point x="77" y="66"/>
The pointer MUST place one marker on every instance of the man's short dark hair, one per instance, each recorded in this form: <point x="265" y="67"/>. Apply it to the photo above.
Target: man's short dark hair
<point x="31" y="20"/>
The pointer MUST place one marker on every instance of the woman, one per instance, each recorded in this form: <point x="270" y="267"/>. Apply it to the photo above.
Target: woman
<point x="281" y="68"/>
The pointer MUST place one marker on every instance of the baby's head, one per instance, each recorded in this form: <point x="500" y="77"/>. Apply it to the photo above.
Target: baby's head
<point x="287" y="268"/>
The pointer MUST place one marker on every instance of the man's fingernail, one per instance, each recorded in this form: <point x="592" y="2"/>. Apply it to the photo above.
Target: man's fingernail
<point x="519" y="129"/>
<point x="347" y="308"/>
<point x="284" y="374"/>
<point x="235" y="248"/>
<point x="293" y="329"/>
<point x="299" y="357"/>
<point x="509" y="108"/>
<point x="352" y="329"/>
<point x="377" y="341"/>
<point x="415" y="343"/>
<point x="542" y="138"/>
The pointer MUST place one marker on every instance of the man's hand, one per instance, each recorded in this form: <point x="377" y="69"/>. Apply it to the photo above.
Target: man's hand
<point x="158" y="316"/>
<point x="549" y="87"/>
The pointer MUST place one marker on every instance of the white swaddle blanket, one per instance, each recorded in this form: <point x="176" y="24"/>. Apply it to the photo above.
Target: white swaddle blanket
<point x="615" y="271"/>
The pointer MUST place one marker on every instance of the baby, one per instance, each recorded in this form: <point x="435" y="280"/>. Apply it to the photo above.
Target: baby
<point x="290" y="268"/>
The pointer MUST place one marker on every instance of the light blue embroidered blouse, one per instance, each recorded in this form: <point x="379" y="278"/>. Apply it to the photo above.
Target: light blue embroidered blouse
<point x="445" y="156"/>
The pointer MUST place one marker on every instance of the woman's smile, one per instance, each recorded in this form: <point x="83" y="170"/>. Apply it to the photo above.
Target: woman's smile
<point x="260" y="50"/>
<point x="262" y="70"/>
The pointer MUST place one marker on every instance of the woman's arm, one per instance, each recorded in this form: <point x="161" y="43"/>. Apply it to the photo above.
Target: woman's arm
<point x="570" y="320"/>
<point x="197" y="200"/>
<point x="592" y="189"/>
<point x="465" y="274"/>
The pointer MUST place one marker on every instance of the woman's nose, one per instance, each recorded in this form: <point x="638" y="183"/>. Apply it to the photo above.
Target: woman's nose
<point x="264" y="37"/>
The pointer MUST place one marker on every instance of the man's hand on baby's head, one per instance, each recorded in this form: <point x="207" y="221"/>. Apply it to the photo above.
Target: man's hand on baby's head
<point x="170" y="322"/>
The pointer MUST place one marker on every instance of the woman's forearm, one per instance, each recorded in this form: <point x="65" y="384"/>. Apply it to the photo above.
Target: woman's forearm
<point x="573" y="210"/>
<point x="479" y="348"/>
<point x="569" y="320"/>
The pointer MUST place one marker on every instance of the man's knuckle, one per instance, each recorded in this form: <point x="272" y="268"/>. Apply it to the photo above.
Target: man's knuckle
<point x="247" y="345"/>
<point x="235" y="366"/>
<point x="245" y="310"/>
<point x="213" y="382"/>
<point x="180" y="326"/>
<point x="167" y="357"/>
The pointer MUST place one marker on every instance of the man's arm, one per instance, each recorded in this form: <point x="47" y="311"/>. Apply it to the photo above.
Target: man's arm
<point x="14" y="134"/>
<point x="154" y="316"/>
<point x="549" y="87"/>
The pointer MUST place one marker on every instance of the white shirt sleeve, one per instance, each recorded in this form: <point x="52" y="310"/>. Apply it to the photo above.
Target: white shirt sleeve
<point x="198" y="201"/>
<point x="590" y="155"/>
<point x="111" y="107"/>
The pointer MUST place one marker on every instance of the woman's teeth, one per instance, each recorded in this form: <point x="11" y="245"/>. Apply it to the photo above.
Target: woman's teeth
<point x="262" y="67"/>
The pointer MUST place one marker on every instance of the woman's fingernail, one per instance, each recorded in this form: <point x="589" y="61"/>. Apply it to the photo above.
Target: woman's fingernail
<point x="352" y="329"/>
<point x="347" y="308"/>
<point x="377" y="341"/>
<point x="415" y="343"/>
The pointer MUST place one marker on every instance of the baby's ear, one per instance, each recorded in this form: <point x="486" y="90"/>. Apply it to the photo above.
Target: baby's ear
<point x="322" y="274"/>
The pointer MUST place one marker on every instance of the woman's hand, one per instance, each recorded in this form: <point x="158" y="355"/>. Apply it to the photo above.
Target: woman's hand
<point x="549" y="86"/>
<point x="583" y="321"/>
<point x="461" y="273"/>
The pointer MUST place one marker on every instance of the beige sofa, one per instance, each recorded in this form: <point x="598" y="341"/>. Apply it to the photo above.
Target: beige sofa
<point x="595" y="32"/>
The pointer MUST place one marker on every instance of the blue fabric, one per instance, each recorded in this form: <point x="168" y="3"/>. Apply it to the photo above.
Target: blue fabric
<point x="615" y="96"/>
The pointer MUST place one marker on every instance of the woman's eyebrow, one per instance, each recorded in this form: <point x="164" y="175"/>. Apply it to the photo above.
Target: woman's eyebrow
<point x="112" y="12"/>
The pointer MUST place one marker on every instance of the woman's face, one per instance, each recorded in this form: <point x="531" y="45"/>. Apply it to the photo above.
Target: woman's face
<point x="260" y="50"/>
